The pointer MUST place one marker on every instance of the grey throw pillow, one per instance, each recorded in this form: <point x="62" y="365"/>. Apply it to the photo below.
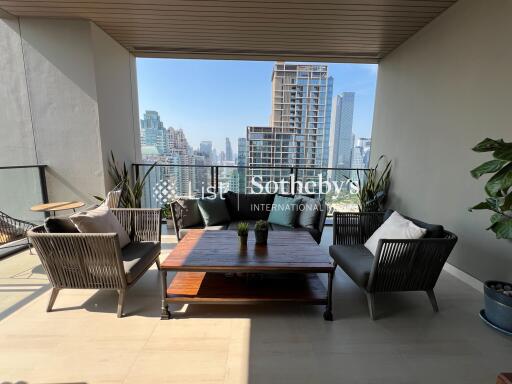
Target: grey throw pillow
<point x="309" y="212"/>
<point x="191" y="216"/>
<point x="100" y="220"/>
<point x="213" y="211"/>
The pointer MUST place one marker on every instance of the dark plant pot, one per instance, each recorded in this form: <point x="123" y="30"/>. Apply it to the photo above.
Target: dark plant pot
<point x="243" y="241"/>
<point x="498" y="307"/>
<point x="261" y="236"/>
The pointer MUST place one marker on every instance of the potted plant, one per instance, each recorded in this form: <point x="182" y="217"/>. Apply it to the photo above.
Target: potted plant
<point x="167" y="214"/>
<point x="498" y="294"/>
<point x="261" y="231"/>
<point x="243" y="232"/>
<point x="372" y="186"/>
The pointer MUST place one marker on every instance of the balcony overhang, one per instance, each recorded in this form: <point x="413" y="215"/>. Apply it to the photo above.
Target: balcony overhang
<point x="293" y="30"/>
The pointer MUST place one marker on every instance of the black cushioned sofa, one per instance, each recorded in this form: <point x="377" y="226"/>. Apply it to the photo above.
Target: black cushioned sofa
<point x="241" y="207"/>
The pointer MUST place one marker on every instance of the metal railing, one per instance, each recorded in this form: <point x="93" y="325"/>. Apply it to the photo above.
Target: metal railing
<point x="168" y="181"/>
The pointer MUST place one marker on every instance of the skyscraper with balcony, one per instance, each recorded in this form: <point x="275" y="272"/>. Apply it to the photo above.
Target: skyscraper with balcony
<point x="341" y="139"/>
<point x="299" y="130"/>
<point x="242" y="162"/>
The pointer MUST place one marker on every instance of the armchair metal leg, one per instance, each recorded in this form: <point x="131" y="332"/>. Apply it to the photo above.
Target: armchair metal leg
<point x="120" y="302"/>
<point x="433" y="300"/>
<point x="371" y="304"/>
<point x="53" y="297"/>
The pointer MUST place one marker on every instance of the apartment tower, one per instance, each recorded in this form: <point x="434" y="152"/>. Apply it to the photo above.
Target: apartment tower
<point x="299" y="131"/>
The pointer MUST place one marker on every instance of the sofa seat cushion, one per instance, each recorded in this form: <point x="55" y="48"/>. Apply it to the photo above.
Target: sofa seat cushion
<point x="355" y="260"/>
<point x="234" y="224"/>
<point x="137" y="257"/>
<point x="184" y="231"/>
<point x="315" y="233"/>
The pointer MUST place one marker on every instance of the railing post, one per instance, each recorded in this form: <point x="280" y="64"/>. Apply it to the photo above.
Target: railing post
<point x="216" y="179"/>
<point x="212" y="176"/>
<point x="292" y="180"/>
<point x="42" y="184"/>
<point x="136" y="168"/>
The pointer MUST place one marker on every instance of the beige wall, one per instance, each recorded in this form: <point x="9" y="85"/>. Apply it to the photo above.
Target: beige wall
<point x="68" y="100"/>
<point x="440" y="93"/>
<point x="118" y="113"/>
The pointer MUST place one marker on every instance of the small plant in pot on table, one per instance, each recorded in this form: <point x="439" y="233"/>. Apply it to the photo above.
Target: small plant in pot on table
<point x="261" y="231"/>
<point x="243" y="232"/>
<point x="498" y="294"/>
<point x="167" y="214"/>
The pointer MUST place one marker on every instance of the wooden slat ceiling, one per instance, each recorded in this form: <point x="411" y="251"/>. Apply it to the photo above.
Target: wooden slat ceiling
<point x="305" y="30"/>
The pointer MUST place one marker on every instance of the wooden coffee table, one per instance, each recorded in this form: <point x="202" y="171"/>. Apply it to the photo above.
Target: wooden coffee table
<point x="212" y="268"/>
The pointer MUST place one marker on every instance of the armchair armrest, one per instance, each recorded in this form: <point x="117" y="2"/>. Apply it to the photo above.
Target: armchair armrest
<point x="409" y="265"/>
<point x="142" y="224"/>
<point x="80" y="260"/>
<point x="351" y="228"/>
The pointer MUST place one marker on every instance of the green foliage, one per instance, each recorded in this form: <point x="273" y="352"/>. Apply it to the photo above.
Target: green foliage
<point x="375" y="186"/>
<point x="131" y="192"/>
<point x="261" y="225"/>
<point x="166" y="211"/>
<point x="243" y="229"/>
<point x="499" y="187"/>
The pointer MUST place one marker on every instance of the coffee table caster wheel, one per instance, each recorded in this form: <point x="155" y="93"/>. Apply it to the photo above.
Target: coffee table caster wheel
<point x="328" y="316"/>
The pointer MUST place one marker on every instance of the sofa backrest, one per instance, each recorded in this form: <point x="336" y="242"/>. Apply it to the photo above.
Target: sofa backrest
<point x="249" y="206"/>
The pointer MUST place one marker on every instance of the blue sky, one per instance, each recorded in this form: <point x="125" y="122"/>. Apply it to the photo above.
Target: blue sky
<point x="215" y="99"/>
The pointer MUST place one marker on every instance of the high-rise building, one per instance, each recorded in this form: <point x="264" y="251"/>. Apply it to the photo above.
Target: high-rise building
<point x="242" y="162"/>
<point x="357" y="162"/>
<point x="222" y="157"/>
<point x="341" y="140"/>
<point x="229" y="150"/>
<point x="300" y="122"/>
<point x="260" y="144"/>
<point x="205" y="149"/>
<point x="152" y="132"/>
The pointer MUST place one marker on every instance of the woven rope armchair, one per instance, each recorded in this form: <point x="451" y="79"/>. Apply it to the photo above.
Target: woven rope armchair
<point x="399" y="265"/>
<point x="12" y="229"/>
<point x="96" y="260"/>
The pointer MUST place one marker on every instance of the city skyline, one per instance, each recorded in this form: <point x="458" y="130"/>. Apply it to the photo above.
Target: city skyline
<point x="212" y="100"/>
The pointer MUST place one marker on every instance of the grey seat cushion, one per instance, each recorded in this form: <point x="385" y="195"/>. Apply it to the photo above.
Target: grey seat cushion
<point x="434" y="231"/>
<point x="355" y="260"/>
<point x="184" y="231"/>
<point x="137" y="257"/>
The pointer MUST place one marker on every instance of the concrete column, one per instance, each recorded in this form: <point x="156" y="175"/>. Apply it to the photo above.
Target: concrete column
<point x="69" y="96"/>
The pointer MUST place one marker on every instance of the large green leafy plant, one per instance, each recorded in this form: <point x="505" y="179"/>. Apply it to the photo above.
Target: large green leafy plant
<point x="499" y="187"/>
<point x="131" y="193"/>
<point x="373" y="186"/>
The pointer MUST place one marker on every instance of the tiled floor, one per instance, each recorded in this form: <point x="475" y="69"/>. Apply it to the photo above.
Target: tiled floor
<point x="82" y="341"/>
